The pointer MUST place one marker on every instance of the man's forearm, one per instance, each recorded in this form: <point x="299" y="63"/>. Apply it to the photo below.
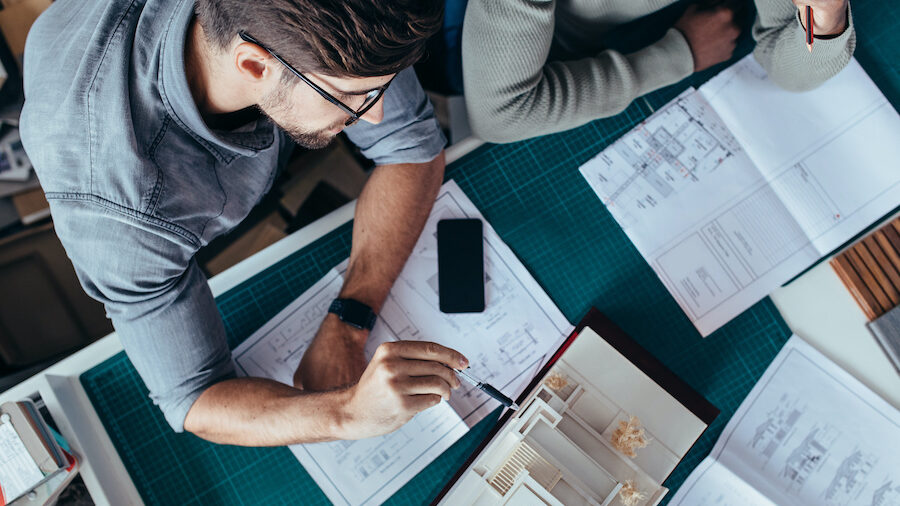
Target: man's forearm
<point x="402" y="379"/>
<point x="390" y="214"/>
<point x="262" y="412"/>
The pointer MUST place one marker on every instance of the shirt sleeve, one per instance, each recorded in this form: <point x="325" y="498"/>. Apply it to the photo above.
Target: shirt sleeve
<point x="781" y="47"/>
<point x="156" y="296"/>
<point x="513" y="92"/>
<point x="409" y="132"/>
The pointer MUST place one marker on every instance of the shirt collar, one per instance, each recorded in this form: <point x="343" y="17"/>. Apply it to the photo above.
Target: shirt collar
<point x="176" y="94"/>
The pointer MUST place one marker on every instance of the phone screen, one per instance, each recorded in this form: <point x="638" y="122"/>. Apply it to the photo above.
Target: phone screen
<point x="460" y="266"/>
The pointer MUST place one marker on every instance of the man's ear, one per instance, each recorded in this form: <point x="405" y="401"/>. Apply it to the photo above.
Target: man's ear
<point x="253" y="63"/>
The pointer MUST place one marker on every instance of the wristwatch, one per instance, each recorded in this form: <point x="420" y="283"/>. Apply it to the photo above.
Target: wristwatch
<point x="353" y="313"/>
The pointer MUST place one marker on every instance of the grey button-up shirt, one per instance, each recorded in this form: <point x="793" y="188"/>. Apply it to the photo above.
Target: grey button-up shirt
<point x="137" y="182"/>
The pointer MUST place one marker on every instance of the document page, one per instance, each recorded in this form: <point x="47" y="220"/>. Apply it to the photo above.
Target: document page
<point x="727" y="197"/>
<point x="18" y="471"/>
<point x="830" y="154"/>
<point x="668" y="173"/>
<point x="808" y="433"/>
<point x="506" y="345"/>
<point x="365" y="471"/>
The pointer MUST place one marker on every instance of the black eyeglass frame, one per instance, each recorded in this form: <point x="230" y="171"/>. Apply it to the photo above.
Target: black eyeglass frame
<point x="355" y="114"/>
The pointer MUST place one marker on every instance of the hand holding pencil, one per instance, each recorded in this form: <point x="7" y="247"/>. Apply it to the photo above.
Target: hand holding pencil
<point x="821" y="18"/>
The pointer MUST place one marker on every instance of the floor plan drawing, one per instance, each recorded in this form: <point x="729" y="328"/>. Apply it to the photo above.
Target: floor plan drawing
<point x="506" y="345"/>
<point x="673" y="149"/>
<point x="663" y="158"/>
<point x="726" y="204"/>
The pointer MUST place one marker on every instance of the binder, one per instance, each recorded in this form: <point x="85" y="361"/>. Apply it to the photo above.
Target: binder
<point x="38" y="445"/>
<point x="35" y="435"/>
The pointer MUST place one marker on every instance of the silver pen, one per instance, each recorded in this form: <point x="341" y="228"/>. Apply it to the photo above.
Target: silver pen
<point x="488" y="389"/>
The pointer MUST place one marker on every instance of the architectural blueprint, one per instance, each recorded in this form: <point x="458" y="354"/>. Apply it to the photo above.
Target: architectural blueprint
<point x="808" y="433"/>
<point x="666" y="161"/>
<point x="730" y="190"/>
<point x="506" y="345"/>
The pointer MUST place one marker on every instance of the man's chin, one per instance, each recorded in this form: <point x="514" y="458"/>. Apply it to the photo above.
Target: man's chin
<point x="312" y="141"/>
<point x="317" y="139"/>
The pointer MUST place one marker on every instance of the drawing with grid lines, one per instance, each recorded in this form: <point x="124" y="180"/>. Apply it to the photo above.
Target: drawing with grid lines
<point x="730" y="190"/>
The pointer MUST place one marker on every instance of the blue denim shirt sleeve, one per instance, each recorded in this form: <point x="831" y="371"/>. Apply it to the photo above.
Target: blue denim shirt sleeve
<point x="157" y="297"/>
<point x="409" y="132"/>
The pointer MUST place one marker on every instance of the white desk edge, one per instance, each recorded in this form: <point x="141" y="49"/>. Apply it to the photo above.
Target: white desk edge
<point x="833" y="324"/>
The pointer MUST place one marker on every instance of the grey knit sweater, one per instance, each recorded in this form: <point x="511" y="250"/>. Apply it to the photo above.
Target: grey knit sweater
<point x="514" y="91"/>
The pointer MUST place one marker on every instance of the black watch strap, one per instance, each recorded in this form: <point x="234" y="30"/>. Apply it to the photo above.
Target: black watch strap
<point x="354" y="313"/>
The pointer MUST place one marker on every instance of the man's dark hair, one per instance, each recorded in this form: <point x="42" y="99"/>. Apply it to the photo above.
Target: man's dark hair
<point x="342" y="38"/>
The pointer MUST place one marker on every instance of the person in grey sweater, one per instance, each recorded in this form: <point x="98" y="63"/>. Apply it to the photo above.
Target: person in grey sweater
<point x="515" y="89"/>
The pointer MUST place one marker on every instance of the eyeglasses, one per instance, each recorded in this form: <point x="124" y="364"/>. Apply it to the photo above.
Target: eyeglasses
<point x="371" y="97"/>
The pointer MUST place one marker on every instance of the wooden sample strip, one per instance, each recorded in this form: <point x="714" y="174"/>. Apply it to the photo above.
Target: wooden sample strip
<point x="886" y="273"/>
<point x="870" y="269"/>
<point x="856" y="286"/>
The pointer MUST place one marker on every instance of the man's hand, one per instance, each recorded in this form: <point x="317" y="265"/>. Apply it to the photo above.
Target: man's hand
<point x="712" y="35"/>
<point x="403" y="378"/>
<point x="334" y="359"/>
<point x="829" y="16"/>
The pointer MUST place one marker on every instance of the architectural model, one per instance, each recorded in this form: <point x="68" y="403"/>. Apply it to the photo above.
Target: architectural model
<point x="560" y="448"/>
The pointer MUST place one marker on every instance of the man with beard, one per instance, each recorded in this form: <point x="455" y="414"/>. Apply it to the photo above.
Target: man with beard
<point x="156" y="125"/>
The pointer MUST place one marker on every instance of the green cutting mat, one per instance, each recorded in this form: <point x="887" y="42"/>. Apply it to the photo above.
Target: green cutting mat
<point x="533" y="195"/>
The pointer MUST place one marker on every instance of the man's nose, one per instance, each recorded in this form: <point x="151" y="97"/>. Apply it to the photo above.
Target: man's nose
<point x="375" y="114"/>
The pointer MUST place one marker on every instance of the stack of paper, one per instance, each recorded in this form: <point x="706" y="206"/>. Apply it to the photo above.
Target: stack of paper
<point x="29" y="453"/>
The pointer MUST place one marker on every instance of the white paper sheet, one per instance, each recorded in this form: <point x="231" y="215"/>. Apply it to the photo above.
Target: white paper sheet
<point x="506" y="345"/>
<point x="830" y="154"/>
<point x="18" y="471"/>
<point x="808" y="434"/>
<point x="731" y="190"/>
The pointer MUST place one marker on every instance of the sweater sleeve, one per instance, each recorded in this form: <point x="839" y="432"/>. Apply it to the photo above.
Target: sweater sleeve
<point x="781" y="47"/>
<point x="513" y="93"/>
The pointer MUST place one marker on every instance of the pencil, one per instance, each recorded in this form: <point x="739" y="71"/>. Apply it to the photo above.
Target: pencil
<point x="809" y="28"/>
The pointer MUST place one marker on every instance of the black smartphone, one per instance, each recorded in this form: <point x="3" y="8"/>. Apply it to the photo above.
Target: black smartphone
<point x="460" y="266"/>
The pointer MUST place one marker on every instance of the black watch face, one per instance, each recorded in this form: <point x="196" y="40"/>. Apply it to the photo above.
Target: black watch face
<point x="356" y="313"/>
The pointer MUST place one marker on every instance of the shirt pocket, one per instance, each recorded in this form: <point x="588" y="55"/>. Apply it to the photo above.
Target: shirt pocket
<point x="188" y="191"/>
